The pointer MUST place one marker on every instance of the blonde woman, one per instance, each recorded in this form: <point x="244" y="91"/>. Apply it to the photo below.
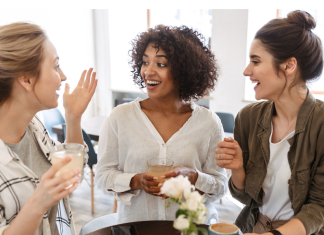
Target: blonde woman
<point x="30" y="76"/>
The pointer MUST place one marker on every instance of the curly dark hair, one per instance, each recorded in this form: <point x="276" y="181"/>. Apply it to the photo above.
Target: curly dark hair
<point x="193" y="65"/>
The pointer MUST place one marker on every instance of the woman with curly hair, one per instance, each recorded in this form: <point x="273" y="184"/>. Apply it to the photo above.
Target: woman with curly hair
<point x="175" y="66"/>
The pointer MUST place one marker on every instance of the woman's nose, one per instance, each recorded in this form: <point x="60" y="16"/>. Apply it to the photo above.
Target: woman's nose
<point x="62" y="75"/>
<point x="247" y="71"/>
<point x="150" y="71"/>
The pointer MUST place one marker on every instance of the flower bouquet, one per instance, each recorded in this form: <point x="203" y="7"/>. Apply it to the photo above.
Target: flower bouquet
<point x="192" y="211"/>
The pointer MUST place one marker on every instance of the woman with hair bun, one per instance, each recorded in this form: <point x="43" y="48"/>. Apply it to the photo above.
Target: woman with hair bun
<point x="176" y="66"/>
<point x="277" y="157"/>
<point x="33" y="201"/>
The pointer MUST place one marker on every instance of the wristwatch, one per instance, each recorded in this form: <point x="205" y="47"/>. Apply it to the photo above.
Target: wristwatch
<point x="275" y="232"/>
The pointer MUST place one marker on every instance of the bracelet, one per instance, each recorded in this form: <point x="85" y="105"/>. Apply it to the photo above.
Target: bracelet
<point x="275" y="232"/>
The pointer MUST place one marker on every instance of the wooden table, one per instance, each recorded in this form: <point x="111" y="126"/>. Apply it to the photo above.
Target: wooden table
<point x="91" y="126"/>
<point x="142" y="228"/>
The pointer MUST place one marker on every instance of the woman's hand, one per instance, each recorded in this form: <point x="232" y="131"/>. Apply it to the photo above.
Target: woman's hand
<point x="185" y="171"/>
<point x="145" y="181"/>
<point x="76" y="103"/>
<point x="51" y="189"/>
<point x="229" y="154"/>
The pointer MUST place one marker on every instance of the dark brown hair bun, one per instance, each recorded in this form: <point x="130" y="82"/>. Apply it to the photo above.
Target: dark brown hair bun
<point x="302" y="18"/>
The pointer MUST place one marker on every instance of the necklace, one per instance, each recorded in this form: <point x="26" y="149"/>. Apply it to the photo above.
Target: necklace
<point x="286" y="131"/>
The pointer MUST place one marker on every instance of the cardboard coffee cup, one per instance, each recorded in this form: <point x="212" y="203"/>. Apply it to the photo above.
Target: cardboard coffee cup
<point x="223" y="229"/>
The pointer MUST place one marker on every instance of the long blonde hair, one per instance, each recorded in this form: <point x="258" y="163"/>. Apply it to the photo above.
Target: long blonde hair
<point x="21" y="54"/>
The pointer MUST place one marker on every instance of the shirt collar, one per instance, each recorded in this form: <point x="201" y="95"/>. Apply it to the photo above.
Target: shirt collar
<point x="303" y="115"/>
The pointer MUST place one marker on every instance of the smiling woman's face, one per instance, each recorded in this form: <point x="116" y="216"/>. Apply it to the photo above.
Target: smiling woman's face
<point x="156" y="72"/>
<point x="262" y="72"/>
<point x="50" y="78"/>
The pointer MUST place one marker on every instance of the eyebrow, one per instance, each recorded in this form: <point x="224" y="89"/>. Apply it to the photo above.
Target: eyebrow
<point x="157" y="56"/>
<point x="254" y="56"/>
<point x="56" y="58"/>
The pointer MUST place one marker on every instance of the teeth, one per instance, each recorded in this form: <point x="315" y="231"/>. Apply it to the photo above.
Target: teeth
<point x="255" y="82"/>
<point x="153" y="82"/>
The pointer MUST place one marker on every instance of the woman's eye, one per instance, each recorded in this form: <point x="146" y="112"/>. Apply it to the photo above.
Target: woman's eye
<point x="254" y="62"/>
<point x="161" y="65"/>
<point x="144" y="63"/>
<point x="57" y="67"/>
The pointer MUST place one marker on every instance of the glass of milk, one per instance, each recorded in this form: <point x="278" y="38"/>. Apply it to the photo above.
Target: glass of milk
<point x="75" y="151"/>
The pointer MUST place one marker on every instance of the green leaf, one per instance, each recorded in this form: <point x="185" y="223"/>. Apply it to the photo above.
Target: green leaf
<point x="202" y="230"/>
<point x="180" y="212"/>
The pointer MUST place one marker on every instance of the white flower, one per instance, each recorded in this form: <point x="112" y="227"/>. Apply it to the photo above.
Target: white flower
<point x="175" y="186"/>
<point x="192" y="204"/>
<point x="183" y="206"/>
<point x="201" y="214"/>
<point x="181" y="223"/>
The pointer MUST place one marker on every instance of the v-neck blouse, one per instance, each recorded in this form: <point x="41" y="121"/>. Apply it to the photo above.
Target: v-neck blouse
<point x="128" y="140"/>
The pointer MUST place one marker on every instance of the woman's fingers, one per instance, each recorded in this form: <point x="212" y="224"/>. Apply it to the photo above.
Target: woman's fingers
<point x="67" y="179"/>
<point x="224" y="163"/>
<point x="68" y="191"/>
<point x="225" y="151"/>
<point x="169" y="174"/>
<point x="224" y="144"/>
<point x="224" y="157"/>
<point x="152" y="190"/>
<point x="56" y="167"/>
<point x="93" y="81"/>
<point x="149" y="177"/>
<point x="81" y="81"/>
<point x="87" y="81"/>
<point x="152" y="183"/>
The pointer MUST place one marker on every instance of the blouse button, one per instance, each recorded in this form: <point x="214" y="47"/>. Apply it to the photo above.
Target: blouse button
<point x="163" y="145"/>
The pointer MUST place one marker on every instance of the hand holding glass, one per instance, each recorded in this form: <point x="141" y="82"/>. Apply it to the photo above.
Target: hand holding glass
<point x="158" y="167"/>
<point x="75" y="151"/>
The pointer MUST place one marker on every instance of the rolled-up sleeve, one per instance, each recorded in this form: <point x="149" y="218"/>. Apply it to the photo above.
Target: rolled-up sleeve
<point x="212" y="179"/>
<point x="109" y="178"/>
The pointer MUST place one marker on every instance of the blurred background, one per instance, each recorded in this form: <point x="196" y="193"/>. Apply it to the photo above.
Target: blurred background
<point x="101" y="39"/>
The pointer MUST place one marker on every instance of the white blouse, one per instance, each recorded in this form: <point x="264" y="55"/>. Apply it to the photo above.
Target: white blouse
<point x="276" y="201"/>
<point x="128" y="140"/>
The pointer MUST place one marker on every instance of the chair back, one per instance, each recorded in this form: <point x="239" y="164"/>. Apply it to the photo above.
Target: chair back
<point x="227" y="120"/>
<point x="92" y="154"/>
<point x="52" y="117"/>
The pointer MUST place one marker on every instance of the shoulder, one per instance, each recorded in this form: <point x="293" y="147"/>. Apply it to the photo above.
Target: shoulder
<point x="254" y="110"/>
<point x="207" y="117"/>
<point x="122" y="114"/>
<point x="125" y="109"/>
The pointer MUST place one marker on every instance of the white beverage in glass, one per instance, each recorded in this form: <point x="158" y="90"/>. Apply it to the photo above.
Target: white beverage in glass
<point x="75" y="151"/>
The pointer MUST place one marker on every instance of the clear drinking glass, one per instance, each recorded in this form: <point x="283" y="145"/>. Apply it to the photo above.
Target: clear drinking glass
<point x="158" y="167"/>
<point x="75" y="151"/>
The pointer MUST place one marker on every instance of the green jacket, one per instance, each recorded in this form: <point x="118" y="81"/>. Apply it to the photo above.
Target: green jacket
<point x="306" y="159"/>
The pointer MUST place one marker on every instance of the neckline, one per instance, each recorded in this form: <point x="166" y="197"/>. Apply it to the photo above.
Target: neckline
<point x="152" y="128"/>
<point x="285" y="138"/>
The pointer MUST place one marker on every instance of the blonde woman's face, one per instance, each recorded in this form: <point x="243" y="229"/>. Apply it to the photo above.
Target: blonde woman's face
<point x="50" y="78"/>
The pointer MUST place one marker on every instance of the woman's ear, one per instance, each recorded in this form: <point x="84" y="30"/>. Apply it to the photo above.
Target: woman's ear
<point x="290" y="66"/>
<point x="27" y="82"/>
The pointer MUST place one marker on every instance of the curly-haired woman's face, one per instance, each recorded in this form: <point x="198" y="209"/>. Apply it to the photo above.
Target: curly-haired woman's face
<point x="156" y="72"/>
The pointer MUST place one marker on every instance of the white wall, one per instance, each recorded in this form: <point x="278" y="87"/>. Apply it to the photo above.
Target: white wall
<point x="71" y="33"/>
<point x="229" y="40"/>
